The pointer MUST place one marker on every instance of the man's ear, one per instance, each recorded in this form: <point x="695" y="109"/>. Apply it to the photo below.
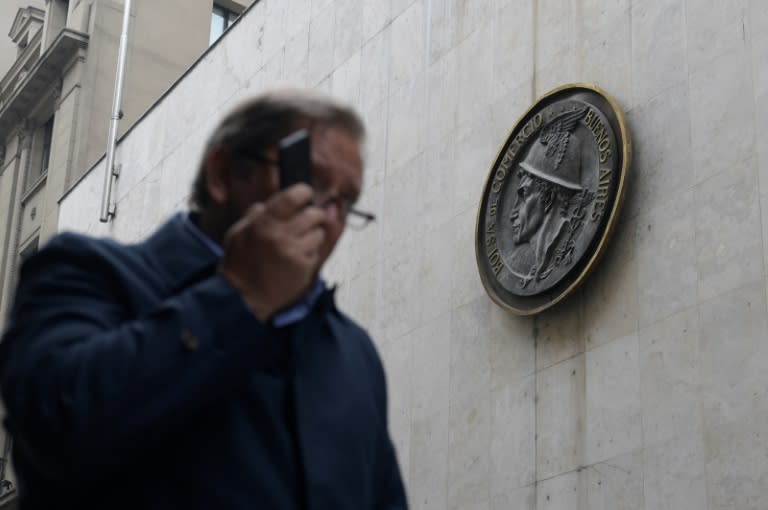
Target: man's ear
<point x="217" y="175"/>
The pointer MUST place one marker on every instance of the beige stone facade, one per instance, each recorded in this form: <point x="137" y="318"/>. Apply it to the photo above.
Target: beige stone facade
<point x="57" y="73"/>
<point x="644" y="390"/>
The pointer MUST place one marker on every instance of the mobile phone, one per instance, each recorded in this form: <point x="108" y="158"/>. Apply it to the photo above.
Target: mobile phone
<point x="294" y="159"/>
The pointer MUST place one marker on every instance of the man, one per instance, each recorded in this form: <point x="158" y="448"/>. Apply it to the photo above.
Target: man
<point x="207" y="367"/>
<point x="549" y="185"/>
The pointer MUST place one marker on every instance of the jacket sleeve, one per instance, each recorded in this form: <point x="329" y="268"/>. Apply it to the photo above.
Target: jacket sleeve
<point x="84" y="384"/>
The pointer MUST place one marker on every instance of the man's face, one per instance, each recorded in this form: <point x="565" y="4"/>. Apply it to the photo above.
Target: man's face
<point x="528" y="212"/>
<point x="337" y="174"/>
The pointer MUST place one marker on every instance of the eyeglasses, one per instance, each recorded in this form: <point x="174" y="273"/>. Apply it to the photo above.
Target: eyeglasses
<point x="354" y="218"/>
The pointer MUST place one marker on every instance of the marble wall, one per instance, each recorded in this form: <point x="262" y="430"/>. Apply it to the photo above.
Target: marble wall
<point x="644" y="390"/>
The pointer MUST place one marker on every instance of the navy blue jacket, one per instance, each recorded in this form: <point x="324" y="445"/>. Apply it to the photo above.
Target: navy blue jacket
<point x="134" y="377"/>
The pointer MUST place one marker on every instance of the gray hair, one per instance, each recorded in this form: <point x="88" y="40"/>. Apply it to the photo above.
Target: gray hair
<point x="262" y="121"/>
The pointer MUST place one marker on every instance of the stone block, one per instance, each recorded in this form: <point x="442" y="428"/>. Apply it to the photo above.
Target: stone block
<point x="375" y="150"/>
<point x="443" y="84"/>
<point x="513" y="436"/>
<point x="613" y="400"/>
<point x="436" y="186"/>
<point x="659" y="58"/>
<point x="560" y="419"/>
<point x="512" y="47"/>
<point x="431" y="369"/>
<point x="319" y="6"/>
<point x="728" y="232"/>
<point x="674" y="473"/>
<point x="296" y="58"/>
<point x="760" y="78"/>
<point x="139" y="153"/>
<point x="407" y="53"/>
<point x="605" y="48"/>
<point x="666" y="253"/>
<point x="736" y="467"/>
<point x="129" y="215"/>
<point x="714" y="28"/>
<point x="757" y="18"/>
<point x="401" y="198"/>
<point x="669" y="378"/>
<point x="397" y="7"/>
<point x="558" y="333"/>
<point x="466" y="284"/>
<point x="407" y="117"/>
<point x="397" y="315"/>
<point x="523" y="498"/>
<point x="475" y="75"/>
<point x="349" y="18"/>
<point x="507" y="110"/>
<point x="376" y="15"/>
<point x="468" y="454"/>
<point x="324" y="86"/>
<point x="244" y="44"/>
<point x="475" y="155"/>
<point x="513" y="349"/>
<point x="443" y="34"/>
<point x="554" y="29"/>
<point x="428" y="488"/>
<point x="321" y="44"/>
<point x="561" y="68"/>
<point x="722" y="119"/>
<point x="297" y="17"/>
<point x="611" y="293"/>
<point x="433" y="278"/>
<point x="662" y="161"/>
<point x="562" y="492"/>
<point x="470" y="354"/>
<point x="616" y="484"/>
<point x="275" y="23"/>
<point x="475" y="16"/>
<point x="734" y="354"/>
<point x="397" y="356"/>
<point x="345" y="81"/>
<point x="184" y="164"/>
<point x="374" y="70"/>
<point x="363" y="292"/>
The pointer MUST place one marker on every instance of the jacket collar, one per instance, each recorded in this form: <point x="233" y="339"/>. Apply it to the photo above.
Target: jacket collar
<point x="179" y="254"/>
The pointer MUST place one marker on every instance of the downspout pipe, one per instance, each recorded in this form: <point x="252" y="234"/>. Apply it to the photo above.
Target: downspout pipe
<point x="111" y="171"/>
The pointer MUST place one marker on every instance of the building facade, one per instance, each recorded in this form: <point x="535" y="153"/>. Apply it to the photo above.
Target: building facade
<point x="643" y="390"/>
<point x="57" y="71"/>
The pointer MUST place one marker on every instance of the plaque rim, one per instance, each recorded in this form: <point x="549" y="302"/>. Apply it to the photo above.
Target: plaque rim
<point x="626" y="153"/>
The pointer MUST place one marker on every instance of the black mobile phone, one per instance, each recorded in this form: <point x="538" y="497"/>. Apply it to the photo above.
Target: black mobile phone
<point x="295" y="160"/>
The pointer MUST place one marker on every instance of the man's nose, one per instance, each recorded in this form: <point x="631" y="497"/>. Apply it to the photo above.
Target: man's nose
<point x="332" y="210"/>
<point x="330" y="204"/>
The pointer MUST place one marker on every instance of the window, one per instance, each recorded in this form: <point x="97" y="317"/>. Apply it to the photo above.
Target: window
<point x="29" y="250"/>
<point x="221" y="19"/>
<point x="41" y="154"/>
<point x="47" y="138"/>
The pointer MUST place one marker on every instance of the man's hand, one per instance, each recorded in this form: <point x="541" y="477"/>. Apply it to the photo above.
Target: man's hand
<point x="271" y="254"/>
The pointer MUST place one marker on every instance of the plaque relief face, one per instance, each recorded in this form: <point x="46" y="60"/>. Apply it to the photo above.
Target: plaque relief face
<point x="552" y="198"/>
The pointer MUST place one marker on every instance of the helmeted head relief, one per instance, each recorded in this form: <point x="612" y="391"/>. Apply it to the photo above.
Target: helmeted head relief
<point x="554" y="157"/>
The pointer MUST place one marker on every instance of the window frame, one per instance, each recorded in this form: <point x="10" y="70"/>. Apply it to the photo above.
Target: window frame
<point x="228" y="17"/>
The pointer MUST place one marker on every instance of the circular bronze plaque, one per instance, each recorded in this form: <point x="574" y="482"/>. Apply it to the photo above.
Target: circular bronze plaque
<point x="552" y="198"/>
